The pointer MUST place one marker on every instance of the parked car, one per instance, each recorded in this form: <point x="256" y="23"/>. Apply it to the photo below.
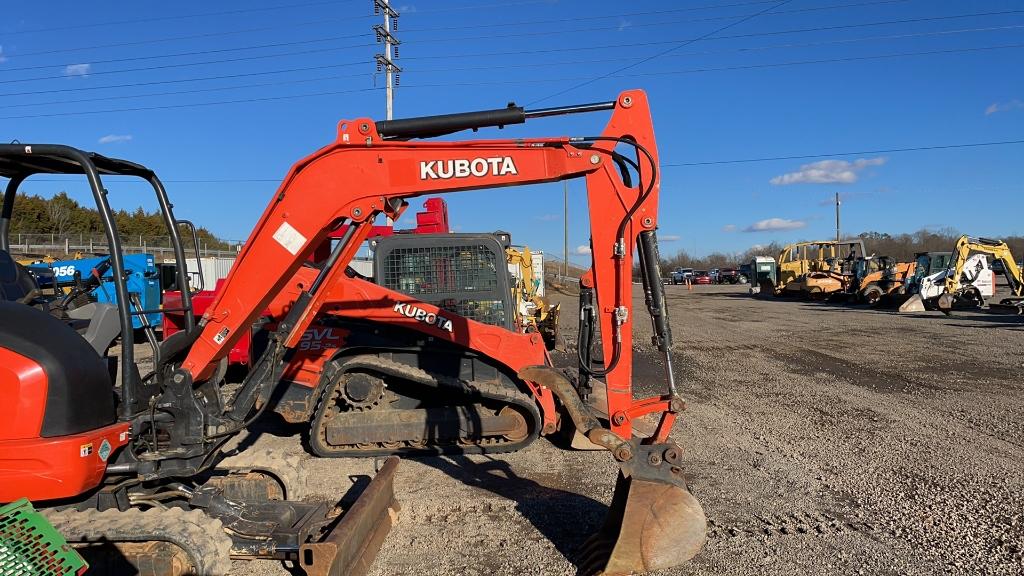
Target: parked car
<point x="714" y="274"/>
<point x="730" y="276"/>
<point x="746" y="272"/>
<point x="702" y="277"/>
<point x="680" y="275"/>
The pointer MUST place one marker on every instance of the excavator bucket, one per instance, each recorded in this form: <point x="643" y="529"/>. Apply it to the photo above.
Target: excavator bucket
<point x="653" y="522"/>
<point x="913" y="304"/>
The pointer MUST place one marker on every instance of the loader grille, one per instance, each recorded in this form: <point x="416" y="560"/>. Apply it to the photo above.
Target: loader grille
<point x="465" y="276"/>
<point x="30" y="546"/>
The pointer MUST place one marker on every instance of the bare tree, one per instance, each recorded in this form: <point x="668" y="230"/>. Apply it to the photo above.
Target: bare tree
<point x="60" y="209"/>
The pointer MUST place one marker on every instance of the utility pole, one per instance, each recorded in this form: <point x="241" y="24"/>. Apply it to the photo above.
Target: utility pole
<point x="565" y="228"/>
<point x="386" y="61"/>
<point x="837" y="217"/>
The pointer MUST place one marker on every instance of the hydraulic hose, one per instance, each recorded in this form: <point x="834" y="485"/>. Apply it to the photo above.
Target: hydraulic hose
<point x="620" y="243"/>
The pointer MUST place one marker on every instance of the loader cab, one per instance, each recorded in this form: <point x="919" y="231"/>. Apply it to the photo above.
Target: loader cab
<point x="764" y="272"/>
<point x="927" y="264"/>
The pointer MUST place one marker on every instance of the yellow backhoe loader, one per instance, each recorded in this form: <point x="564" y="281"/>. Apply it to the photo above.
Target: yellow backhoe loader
<point x="877" y="277"/>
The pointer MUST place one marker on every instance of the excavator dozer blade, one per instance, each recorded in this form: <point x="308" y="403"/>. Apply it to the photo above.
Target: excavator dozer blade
<point x="653" y="522"/>
<point x="913" y="304"/>
<point x="353" y="544"/>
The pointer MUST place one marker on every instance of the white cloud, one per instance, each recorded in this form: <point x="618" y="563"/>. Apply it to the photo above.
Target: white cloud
<point x="111" y="138"/>
<point x="827" y="172"/>
<point x="548" y="217"/>
<point x="670" y="238"/>
<point x="623" y="24"/>
<point x="729" y="228"/>
<point x="773" y="224"/>
<point x="77" y="69"/>
<point x="406" y="8"/>
<point x="2" y="57"/>
<point x="994" y="107"/>
<point x="582" y="249"/>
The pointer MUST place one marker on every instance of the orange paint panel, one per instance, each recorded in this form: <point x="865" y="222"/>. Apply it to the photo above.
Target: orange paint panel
<point x="23" y="386"/>
<point x="61" y="467"/>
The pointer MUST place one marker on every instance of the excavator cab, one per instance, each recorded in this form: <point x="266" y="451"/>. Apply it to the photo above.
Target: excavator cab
<point x="462" y="273"/>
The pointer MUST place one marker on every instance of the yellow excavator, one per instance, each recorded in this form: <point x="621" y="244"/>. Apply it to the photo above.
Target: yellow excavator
<point x="535" y="314"/>
<point x="969" y="277"/>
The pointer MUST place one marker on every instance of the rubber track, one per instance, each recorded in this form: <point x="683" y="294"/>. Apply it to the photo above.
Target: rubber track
<point x="201" y="537"/>
<point x="288" y="469"/>
<point x="504" y="394"/>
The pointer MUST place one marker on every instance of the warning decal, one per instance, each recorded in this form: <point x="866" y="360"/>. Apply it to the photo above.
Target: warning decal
<point x="290" y="238"/>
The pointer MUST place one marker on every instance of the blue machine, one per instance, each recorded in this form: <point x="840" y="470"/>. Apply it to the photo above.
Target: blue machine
<point x="143" y="279"/>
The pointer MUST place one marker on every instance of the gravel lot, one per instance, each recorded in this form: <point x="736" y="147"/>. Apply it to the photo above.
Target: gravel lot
<point x="821" y="439"/>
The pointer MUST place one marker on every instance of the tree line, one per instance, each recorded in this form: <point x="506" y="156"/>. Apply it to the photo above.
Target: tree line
<point x="62" y="216"/>
<point x="901" y="247"/>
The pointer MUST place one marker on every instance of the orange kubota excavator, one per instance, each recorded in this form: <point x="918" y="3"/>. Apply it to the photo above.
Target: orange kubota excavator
<point x="174" y="426"/>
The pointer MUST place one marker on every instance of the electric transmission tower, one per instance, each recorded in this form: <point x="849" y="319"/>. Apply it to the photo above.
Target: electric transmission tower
<point x="386" y="61"/>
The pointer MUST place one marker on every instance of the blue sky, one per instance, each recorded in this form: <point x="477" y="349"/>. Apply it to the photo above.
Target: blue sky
<point x="221" y="98"/>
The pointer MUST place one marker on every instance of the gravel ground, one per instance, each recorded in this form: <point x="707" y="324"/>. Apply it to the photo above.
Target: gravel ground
<point x="820" y="439"/>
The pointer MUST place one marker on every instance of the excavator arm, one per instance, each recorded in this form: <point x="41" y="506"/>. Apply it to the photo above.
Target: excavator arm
<point x="365" y="173"/>
<point x="967" y="245"/>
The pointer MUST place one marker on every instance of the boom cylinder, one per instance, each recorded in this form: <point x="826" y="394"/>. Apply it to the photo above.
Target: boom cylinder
<point x="440" y="125"/>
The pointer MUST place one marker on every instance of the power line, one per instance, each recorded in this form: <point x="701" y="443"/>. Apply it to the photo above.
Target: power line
<point x="181" y="80"/>
<point x="193" y="91"/>
<point x="681" y="42"/>
<point x="505" y="66"/>
<point x="736" y="67"/>
<point x="190" y="64"/>
<point x="520" y="82"/>
<point x="730" y="37"/>
<point x="221" y="33"/>
<point x="855" y="153"/>
<point x="195" y="104"/>
<point x="193" y="52"/>
<point x="177" y="17"/>
<point x="659" y="12"/>
<point x="663" y="165"/>
<point x="712" y="52"/>
<point x="217" y="34"/>
<point x="662" y="53"/>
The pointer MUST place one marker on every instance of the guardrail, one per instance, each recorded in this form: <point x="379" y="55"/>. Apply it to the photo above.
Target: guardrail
<point x="53" y="245"/>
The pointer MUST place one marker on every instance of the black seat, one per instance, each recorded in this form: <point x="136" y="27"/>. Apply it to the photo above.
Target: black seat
<point x="79" y="393"/>
<point x="15" y="282"/>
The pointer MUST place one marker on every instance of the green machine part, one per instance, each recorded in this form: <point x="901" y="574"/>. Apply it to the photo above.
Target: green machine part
<point x="31" y="546"/>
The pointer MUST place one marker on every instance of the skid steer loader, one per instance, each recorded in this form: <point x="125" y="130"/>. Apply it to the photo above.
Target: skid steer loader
<point x="417" y="351"/>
